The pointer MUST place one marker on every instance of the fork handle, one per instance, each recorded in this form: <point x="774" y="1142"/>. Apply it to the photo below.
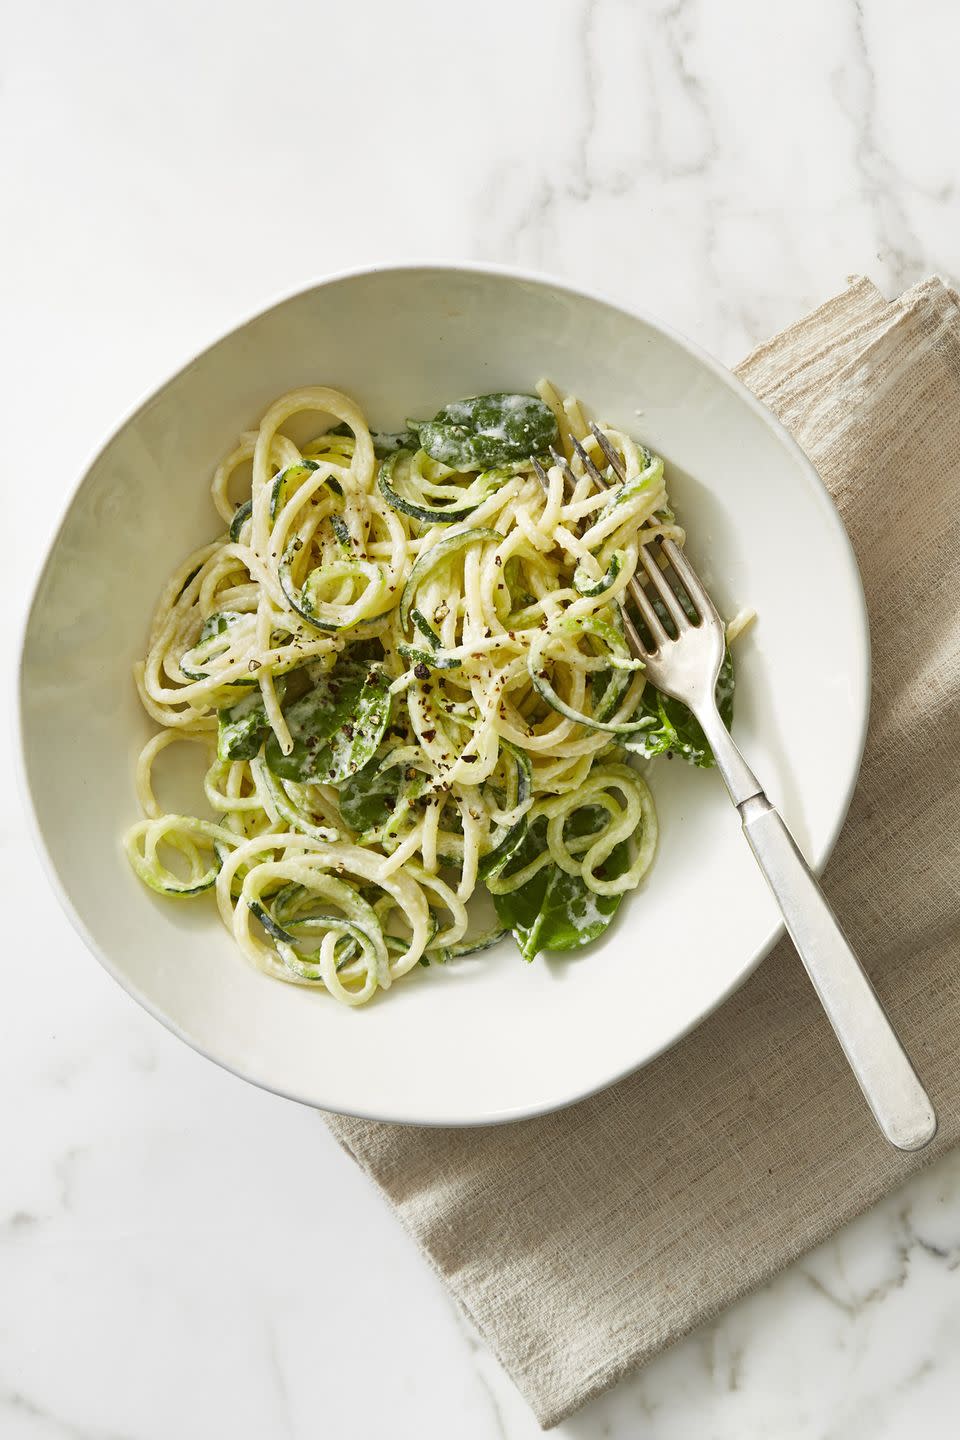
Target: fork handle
<point x="900" y="1105"/>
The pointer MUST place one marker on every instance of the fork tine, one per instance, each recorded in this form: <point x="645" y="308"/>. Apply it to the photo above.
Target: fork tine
<point x="633" y="635"/>
<point x="541" y="475"/>
<point x="651" y="619"/>
<point x="608" y="450"/>
<point x="663" y="588"/>
<point x="563" y="464"/>
<point x="544" y="478"/>
<point x="588" y="465"/>
<point x="691" y="580"/>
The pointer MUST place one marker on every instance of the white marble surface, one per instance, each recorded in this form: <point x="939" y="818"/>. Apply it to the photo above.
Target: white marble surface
<point x="181" y="1255"/>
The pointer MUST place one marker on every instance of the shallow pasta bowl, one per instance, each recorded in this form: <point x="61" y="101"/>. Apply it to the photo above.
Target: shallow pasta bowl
<point x="489" y="1038"/>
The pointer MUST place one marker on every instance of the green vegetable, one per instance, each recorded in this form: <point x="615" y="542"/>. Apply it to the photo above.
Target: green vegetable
<point x="584" y="585"/>
<point x="358" y="927"/>
<point x="416" y="506"/>
<point x="364" y="652"/>
<point x="216" y="623"/>
<point x="284" y="807"/>
<point x="506" y="844"/>
<point x="621" y="660"/>
<point x="673" y="729"/>
<point x="183" y="833"/>
<point x="487" y="430"/>
<point x="554" y="910"/>
<point x="368" y="799"/>
<point x="375" y="798"/>
<point x="242" y="513"/>
<point x="275" y="931"/>
<point x="427" y="562"/>
<point x="651" y="470"/>
<point x="203" y="652"/>
<point x="422" y="624"/>
<point x="470" y="946"/>
<point x="304" y="600"/>
<point x="433" y="659"/>
<point x="242" y="728"/>
<point x="342" y="532"/>
<point x="192" y="576"/>
<point x="386" y="443"/>
<point x="336" y="727"/>
<point x="348" y="945"/>
<point x="285" y="483"/>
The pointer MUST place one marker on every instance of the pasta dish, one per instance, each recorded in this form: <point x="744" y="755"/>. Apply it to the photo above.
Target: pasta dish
<point x="404" y="658"/>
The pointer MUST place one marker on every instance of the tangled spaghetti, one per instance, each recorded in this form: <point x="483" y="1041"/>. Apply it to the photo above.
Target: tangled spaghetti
<point x="407" y="663"/>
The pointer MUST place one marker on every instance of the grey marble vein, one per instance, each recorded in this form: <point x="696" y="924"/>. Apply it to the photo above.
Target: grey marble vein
<point x="20" y="1408"/>
<point x="881" y="183"/>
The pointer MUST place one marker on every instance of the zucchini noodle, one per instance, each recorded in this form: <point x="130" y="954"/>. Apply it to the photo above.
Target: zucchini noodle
<point x="405" y="661"/>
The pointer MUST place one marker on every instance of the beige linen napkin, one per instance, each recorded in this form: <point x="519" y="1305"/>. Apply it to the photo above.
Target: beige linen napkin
<point x="583" y="1243"/>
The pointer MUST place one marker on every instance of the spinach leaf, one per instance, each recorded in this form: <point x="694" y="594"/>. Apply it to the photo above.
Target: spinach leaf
<point x="371" y="797"/>
<point x="368" y="798"/>
<point x="242" y="728"/>
<point x="336" y="727"/>
<point x="384" y="441"/>
<point x="363" y="652"/>
<point x="554" y="910"/>
<point x="673" y="728"/>
<point x="385" y="444"/>
<point x="487" y="430"/>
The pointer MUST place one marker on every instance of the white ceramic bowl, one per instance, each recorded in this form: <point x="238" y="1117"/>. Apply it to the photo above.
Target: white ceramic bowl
<point x="489" y="1038"/>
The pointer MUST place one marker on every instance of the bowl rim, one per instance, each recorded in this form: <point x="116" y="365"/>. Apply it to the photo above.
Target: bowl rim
<point x="542" y="280"/>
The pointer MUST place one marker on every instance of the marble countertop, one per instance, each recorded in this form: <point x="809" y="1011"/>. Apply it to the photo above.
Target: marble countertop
<point x="182" y="1255"/>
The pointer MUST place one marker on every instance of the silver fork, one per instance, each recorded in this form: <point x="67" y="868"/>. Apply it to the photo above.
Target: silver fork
<point x="686" y="665"/>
